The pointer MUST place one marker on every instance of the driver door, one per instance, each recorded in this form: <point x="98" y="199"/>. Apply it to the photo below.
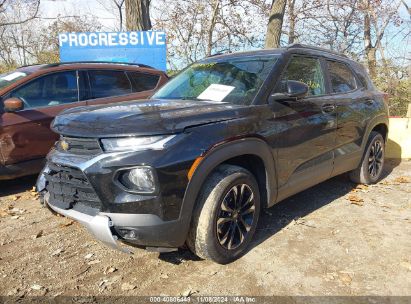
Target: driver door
<point x="25" y="134"/>
<point x="307" y="133"/>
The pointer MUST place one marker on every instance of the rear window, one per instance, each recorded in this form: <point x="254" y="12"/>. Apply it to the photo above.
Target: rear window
<point x="341" y="77"/>
<point x="108" y="83"/>
<point x="143" y="82"/>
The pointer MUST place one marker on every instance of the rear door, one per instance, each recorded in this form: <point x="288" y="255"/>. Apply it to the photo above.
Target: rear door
<point x="353" y="106"/>
<point x="26" y="134"/>
<point x="108" y="86"/>
<point x="307" y="128"/>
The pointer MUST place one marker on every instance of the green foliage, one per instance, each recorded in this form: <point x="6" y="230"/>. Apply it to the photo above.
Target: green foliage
<point x="396" y="83"/>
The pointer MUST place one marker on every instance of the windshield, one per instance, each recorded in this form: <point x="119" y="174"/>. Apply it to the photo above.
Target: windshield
<point x="9" y="78"/>
<point x="234" y="80"/>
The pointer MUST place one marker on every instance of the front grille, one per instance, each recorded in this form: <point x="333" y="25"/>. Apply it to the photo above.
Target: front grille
<point x="82" y="146"/>
<point x="69" y="186"/>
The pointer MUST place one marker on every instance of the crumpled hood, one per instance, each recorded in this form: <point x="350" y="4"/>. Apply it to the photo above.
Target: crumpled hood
<point x="143" y="117"/>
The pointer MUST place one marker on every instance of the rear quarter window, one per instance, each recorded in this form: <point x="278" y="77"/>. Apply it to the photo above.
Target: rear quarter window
<point x="143" y="81"/>
<point x="107" y="83"/>
<point x="341" y="77"/>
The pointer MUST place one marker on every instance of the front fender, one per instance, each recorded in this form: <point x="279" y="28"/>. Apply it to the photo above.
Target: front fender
<point x="219" y="154"/>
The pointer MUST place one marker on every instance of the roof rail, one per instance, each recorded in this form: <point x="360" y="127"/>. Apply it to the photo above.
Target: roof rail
<point x="99" y="62"/>
<point x="316" y="48"/>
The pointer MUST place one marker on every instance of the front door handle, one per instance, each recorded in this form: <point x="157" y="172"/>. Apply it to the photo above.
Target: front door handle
<point x="327" y="108"/>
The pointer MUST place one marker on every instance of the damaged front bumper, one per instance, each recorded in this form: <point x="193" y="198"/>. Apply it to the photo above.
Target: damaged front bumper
<point x="109" y="226"/>
<point x="98" y="225"/>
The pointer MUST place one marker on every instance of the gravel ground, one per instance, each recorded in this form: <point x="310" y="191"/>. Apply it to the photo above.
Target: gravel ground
<point x="332" y="239"/>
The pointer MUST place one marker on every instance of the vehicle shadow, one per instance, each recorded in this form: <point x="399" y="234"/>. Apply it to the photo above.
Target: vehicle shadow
<point x="18" y="185"/>
<point x="274" y="219"/>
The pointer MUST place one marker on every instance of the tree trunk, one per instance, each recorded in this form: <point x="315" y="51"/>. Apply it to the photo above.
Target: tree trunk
<point x="216" y="6"/>
<point x="275" y="24"/>
<point x="138" y="15"/>
<point x="291" y="19"/>
<point x="370" y="50"/>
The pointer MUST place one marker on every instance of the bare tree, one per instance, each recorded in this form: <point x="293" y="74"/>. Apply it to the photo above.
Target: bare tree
<point x="138" y="15"/>
<point x="30" y="7"/>
<point x="201" y="28"/>
<point x="115" y="5"/>
<point x="378" y="15"/>
<point x="275" y="24"/>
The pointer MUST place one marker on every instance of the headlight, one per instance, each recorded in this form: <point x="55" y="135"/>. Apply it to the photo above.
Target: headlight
<point x="136" y="143"/>
<point x="139" y="179"/>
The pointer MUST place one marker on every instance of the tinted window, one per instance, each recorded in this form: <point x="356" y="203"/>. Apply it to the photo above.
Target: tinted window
<point x="307" y="70"/>
<point x="109" y="83"/>
<point x="143" y="82"/>
<point x="50" y="90"/>
<point x="341" y="77"/>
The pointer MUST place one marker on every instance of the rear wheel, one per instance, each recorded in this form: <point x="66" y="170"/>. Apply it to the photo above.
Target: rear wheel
<point x="226" y="215"/>
<point x="371" y="167"/>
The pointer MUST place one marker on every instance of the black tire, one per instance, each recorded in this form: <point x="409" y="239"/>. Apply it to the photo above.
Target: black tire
<point x="371" y="167"/>
<point x="216" y="233"/>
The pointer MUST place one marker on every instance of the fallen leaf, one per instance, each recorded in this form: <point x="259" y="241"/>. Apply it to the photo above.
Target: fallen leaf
<point x="110" y="270"/>
<point x="402" y="180"/>
<point x="345" y="278"/>
<point x="36" y="287"/>
<point x="69" y="223"/>
<point x="89" y="256"/>
<point x="355" y="200"/>
<point x="188" y="293"/>
<point x="57" y="252"/>
<point x="127" y="286"/>
<point x="104" y="281"/>
<point x="33" y="189"/>
<point x="93" y="262"/>
<point x="163" y="276"/>
<point x="39" y="234"/>
<point x="15" y="197"/>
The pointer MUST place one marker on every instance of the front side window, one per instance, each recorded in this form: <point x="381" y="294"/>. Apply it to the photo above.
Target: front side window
<point x="233" y="80"/>
<point x="142" y="81"/>
<point x="108" y="83"/>
<point x="341" y="77"/>
<point x="306" y="70"/>
<point x="50" y="90"/>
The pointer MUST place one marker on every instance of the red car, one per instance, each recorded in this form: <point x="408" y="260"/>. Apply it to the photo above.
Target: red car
<point x="31" y="96"/>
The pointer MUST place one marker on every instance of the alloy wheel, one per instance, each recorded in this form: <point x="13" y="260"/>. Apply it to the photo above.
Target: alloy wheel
<point x="375" y="159"/>
<point x="236" y="216"/>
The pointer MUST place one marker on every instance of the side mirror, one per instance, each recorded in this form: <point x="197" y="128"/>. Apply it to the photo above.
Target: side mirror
<point x="13" y="104"/>
<point x="293" y="90"/>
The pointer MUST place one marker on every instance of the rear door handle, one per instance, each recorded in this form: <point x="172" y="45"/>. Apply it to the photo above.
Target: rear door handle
<point x="328" y="108"/>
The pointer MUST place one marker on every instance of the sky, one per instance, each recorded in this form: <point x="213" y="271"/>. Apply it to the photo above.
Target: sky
<point x="108" y="18"/>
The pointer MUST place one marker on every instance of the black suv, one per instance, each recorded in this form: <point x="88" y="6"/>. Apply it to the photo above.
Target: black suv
<point x="230" y="135"/>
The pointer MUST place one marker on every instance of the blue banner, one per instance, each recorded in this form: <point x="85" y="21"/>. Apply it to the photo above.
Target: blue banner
<point x="147" y="47"/>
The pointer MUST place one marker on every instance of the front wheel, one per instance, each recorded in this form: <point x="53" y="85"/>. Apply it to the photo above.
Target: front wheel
<point x="226" y="215"/>
<point x="370" y="169"/>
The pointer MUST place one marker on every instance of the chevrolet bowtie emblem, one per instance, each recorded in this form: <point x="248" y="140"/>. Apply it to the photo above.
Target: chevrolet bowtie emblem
<point x="64" y="145"/>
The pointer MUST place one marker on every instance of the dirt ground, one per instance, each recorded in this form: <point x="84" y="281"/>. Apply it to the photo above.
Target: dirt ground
<point x="333" y="239"/>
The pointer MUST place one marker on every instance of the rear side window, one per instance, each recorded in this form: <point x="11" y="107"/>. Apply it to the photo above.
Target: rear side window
<point x="341" y="77"/>
<point x="143" y="82"/>
<point x="50" y="90"/>
<point x="306" y="70"/>
<point x="108" y="83"/>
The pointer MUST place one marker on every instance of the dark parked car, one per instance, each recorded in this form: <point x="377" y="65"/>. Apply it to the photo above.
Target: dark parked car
<point x="227" y="137"/>
<point x="30" y="97"/>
